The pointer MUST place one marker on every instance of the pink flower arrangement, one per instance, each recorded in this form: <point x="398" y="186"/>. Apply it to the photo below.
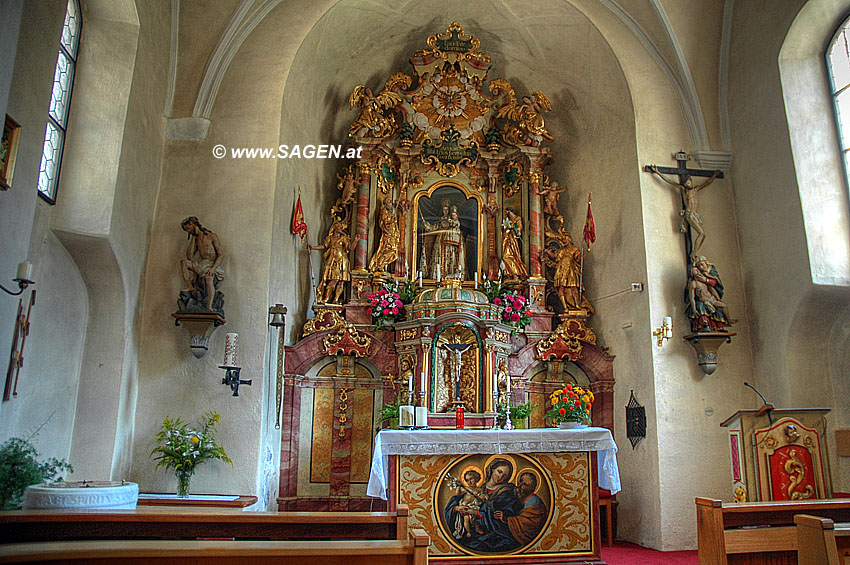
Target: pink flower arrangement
<point x="386" y="306"/>
<point x="515" y="311"/>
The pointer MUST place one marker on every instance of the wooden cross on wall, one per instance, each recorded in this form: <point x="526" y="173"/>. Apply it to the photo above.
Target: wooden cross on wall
<point x="691" y="221"/>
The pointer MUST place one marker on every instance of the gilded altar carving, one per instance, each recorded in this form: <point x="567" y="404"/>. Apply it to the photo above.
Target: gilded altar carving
<point x="326" y="319"/>
<point x="346" y="340"/>
<point x="375" y="118"/>
<point x="566" y="342"/>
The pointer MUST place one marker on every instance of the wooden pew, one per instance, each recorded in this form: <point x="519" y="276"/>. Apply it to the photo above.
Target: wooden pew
<point x="163" y="523"/>
<point x="756" y="532"/>
<point x="412" y="551"/>
<point x="820" y="541"/>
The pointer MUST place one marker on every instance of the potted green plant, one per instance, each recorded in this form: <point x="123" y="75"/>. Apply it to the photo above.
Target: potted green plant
<point x="519" y="413"/>
<point x="389" y="413"/>
<point x="19" y="468"/>
<point x="183" y="448"/>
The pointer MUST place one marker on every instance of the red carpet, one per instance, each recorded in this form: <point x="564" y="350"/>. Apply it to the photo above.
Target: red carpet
<point x="624" y="553"/>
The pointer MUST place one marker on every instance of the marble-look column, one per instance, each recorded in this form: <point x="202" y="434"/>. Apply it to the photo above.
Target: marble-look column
<point x="537" y="157"/>
<point x="289" y="433"/>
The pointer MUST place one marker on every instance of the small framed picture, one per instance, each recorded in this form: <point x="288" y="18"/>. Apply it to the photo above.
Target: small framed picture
<point x="8" y="151"/>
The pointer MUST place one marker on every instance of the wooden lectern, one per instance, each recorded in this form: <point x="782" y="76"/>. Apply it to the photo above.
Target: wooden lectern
<point x="779" y="454"/>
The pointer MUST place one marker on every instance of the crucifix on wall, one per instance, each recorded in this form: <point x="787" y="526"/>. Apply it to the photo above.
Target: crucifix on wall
<point x="692" y="225"/>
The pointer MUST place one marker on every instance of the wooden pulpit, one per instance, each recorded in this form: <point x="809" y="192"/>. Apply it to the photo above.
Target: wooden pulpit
<point x="779" y="454"/>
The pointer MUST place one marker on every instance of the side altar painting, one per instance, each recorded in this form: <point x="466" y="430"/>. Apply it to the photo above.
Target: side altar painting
<point x="447" y="266"/>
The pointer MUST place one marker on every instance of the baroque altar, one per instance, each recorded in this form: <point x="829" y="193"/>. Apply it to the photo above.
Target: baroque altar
<point x="447" y="275"/>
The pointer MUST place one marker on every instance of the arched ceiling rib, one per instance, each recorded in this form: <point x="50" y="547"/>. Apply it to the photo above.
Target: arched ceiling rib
<point x="646" y="19"/>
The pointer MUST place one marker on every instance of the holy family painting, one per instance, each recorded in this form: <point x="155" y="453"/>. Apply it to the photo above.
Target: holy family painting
<point x="493" y="504"/>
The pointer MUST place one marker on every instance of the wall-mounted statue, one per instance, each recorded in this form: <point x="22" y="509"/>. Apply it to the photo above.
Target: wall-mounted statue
<point x="201" y="270"/>
<point x="704" y="298"/>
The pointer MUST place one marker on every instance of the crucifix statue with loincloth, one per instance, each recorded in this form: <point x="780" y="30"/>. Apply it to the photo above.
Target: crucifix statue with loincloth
<point x="691" y="222"/>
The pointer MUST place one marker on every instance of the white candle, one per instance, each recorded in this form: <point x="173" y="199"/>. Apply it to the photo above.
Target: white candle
<point x="420" y="279"/>
<point x="410" y="383"/>
<point x="231" y="350"/>
<point x="476" y="280"/>
<point x="405" y="416"/>
<point x="25" y="271"/>
<point x="438" y="273"/>
<point x="668" y="326"/>
<point x="421" y="417"/>
<point x="508" y="377"/>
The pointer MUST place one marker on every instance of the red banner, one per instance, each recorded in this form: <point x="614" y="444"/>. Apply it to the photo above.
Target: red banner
<point x="589" y="228"/>
<point x="298" y="225"/>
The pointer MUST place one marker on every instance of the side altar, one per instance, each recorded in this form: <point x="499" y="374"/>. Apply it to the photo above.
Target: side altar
<point x="447" y="275"/>
<point x="499" y="496"/>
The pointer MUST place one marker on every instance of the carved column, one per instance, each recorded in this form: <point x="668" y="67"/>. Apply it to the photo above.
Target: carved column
<point x="494" y="161"/>
<point x="359" y="274"/>
<point x="537" y="157"/>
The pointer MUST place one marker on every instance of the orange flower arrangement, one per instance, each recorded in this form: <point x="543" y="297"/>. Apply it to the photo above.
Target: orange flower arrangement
<point x="570" y="404"/>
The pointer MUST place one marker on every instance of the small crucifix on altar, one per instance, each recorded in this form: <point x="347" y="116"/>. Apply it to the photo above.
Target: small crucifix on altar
<point x="455" y="360"/>
<point x="691" y="222"/>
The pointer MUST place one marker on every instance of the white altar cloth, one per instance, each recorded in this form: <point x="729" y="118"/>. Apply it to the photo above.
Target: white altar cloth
<point x="450" y="442"/>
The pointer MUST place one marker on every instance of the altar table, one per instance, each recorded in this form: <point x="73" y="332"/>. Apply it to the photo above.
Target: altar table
<point x="500" y="496"/>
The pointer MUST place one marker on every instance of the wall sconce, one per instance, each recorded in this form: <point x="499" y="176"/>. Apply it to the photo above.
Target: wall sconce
<point x="231" y="370"/>
<point x="23" y="278"/>
<point x="665" y="331"/>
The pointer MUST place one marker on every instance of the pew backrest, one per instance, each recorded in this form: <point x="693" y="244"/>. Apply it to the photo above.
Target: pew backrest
<point x="412" y="551"/>
<point x="764" y="532"/>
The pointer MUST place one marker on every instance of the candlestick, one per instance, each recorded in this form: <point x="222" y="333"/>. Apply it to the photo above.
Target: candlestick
<point x="231" y="350"/>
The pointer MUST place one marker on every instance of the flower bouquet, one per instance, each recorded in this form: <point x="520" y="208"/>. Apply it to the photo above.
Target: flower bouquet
<point x="385" y="306"/>
<point x="182" y="448"/>
<point x="570" y="404"/>
<point x="515" y="311"/>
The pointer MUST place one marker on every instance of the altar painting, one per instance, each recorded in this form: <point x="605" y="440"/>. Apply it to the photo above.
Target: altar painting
<point x="447" y="234"/>
<point x="494" y="505"/>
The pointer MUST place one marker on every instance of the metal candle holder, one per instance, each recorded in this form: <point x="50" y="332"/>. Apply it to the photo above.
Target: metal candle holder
<point x="231" y="378"/>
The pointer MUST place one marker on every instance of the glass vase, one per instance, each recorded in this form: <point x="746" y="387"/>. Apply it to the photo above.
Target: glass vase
<point x="183" y="478"/>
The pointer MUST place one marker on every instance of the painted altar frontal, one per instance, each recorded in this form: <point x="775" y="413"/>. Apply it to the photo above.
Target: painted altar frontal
<point x="521" y="496"/>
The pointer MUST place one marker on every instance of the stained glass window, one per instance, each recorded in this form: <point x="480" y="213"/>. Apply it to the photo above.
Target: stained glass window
<point x="60" y="102"/>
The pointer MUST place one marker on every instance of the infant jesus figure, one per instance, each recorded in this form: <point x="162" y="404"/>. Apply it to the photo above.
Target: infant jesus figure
<point x="472" y="496"/>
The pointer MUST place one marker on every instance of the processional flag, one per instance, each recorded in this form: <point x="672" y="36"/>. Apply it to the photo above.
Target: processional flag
<point x="589" y="227"/>
<point x="299" y="226"/>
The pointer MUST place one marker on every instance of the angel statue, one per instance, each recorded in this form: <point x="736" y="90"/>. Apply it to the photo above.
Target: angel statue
<point x="530" y="128"/>
<point x="387" y="251"/>
<point x="373" y="120"/>
<point x="550" y="194"/>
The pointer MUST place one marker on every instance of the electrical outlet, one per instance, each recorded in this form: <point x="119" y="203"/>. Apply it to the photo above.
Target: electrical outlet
<point x="637" y="287"/>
